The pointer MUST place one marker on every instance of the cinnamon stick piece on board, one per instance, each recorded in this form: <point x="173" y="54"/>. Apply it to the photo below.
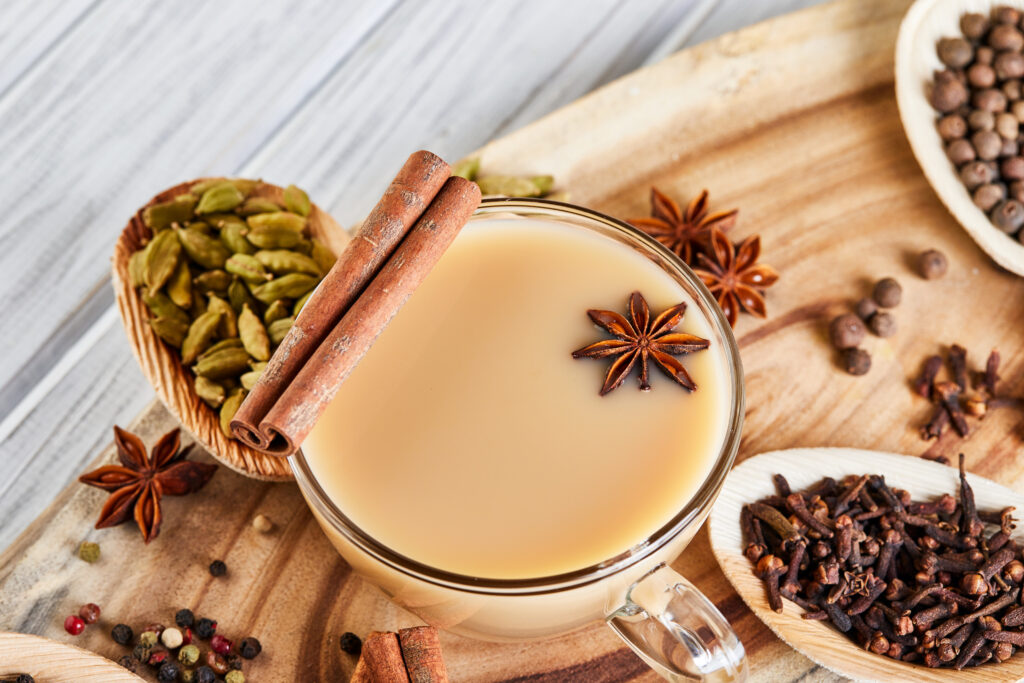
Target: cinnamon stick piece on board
<point x="404" y="201"/>
<point x="383" y="657"/>
<point x="290" y="420"/>
<point x="421" y="650"/>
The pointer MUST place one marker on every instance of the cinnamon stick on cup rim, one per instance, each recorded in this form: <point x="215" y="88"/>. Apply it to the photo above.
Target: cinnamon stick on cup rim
<point x="323" y="347"/>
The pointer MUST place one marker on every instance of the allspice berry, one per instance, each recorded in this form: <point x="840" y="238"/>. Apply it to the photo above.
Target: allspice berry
<point x="960" y="151"/>
<point x="989" y="99"/>
<point x="1012" y="168"/>
<point x="1005" y="37"/>
<point x="932" y="264"/>
<point x="974" y="25"/>
<point x="948" y="93"/>
<point x="981" y="75"/>
<point x="1008" y="216"/>
<point x="1017" y="190"/>
<point x="1009" y="65"/>
<point x="262" y="524"/>
<point x="975" y="174"/>
<point x="952" y="127"/>
<point x="1004" y="14"/>
<point x="1007" y="125"/>
<point x="987" y="144"/>
<point x="984" y="55"/>
<point x="1012" y="90"/>
<point x="865" y="308"/>
<point x="883" y="324"/>
<point x="856" y="361"/>
<point x="846" y="331"/>
<point x="887" y="293"/>
<point x="955" y="53"/>
<point x="987" y="196"/>
<point x="981" y="120"/>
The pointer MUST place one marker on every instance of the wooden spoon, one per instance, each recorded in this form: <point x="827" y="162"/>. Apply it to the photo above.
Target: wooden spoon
<point x="47" y="660"/>
<point x="819" y="640"/>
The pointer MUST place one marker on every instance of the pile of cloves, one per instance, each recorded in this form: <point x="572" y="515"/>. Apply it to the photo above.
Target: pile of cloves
<point x="937" y="583"/>
<point x="965" y="394"/>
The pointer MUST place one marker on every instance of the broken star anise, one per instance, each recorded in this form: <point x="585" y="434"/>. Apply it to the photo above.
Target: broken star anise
<point x="640" y="339"/>
<point x="687" y="234"/>
<point x="734" y="276"/>
<point x="137" y="484"/>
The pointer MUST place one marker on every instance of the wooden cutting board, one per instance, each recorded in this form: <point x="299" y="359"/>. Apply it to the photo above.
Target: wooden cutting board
<point x="794" y="121"/>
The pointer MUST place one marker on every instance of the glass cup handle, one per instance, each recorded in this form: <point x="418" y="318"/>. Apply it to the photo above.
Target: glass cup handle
<point x="678" y="631"/>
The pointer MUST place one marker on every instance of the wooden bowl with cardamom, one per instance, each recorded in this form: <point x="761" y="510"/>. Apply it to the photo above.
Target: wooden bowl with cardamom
<point x="162" y="365"/>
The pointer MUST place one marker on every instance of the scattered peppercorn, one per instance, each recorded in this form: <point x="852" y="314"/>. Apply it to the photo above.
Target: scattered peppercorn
<point x="217" y="662"/>
<point x="250" y="647"/>
<point x="74" y="624"/>
<point x="846" y="331"/>
<point x="234" y="661"/>
<point x="189" y="655"/>
<point x="220" y="644"/>
<point x="169" y="671"/>
<point x="234" y="677"/>
<point x="186" y="636"/>
<point x="205" y="628"/>
<point x="155" y="628"/>
<point x="157" y="656"/>
<point x="188" y="676"/>
<point x="865" y="308"/>
<point x="171" y="638"/>
<point x="887" y="293"/>
<point x="856" y="361"/>
<point x="351" y="643"/>
<point x="184" y="618"/>
<point x="205" y="674"/>
<point x="122" y="634"/>
<point x="932" y="264"/>
<point x="24" y="678"/>
<point x="89" y="612"/>
<point x="89" y="551"/>
<point x="141" y="652"/>
<point x="218" y="568"/>
<point x="129" y="662"/>
<point x="262" y="524"/>
<point x="148" y="638"/>
<point x="883" y="324"/>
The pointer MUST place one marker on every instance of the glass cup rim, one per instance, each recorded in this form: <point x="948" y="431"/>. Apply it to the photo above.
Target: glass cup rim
<point x="694" y="509"/>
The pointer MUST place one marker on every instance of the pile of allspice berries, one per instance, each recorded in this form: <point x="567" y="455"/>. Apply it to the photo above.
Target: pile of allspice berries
<point x="980" y="100"/>
<point x="223" y="276"/>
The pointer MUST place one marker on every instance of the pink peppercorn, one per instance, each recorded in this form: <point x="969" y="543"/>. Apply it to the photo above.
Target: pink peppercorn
<point x="220" y="644"/>
<point x="74" y="624"/>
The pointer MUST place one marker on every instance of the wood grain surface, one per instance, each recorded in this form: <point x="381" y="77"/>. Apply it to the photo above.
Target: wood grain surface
<point x="794" y="121"/>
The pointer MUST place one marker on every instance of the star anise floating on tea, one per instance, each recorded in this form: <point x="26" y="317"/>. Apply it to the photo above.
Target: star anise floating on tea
<point x="640" y="339"/>
<point x="687" y="234"/>
<point x="138" y="483"/>
<point x="734" y="276"/>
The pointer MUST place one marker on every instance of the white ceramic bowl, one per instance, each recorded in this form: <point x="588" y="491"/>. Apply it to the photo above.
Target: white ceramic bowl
<point x="916" y="61"/>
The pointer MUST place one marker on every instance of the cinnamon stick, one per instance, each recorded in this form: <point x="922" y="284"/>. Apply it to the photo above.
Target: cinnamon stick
<point x="319" y="373"/>
<point x="383" y="656"/>
<point x="404" y="201"/>
<point x="421" y="650"/>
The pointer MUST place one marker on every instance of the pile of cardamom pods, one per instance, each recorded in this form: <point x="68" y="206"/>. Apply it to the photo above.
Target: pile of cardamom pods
<point x="224" y="275"/>
<point x="508" y="185"/>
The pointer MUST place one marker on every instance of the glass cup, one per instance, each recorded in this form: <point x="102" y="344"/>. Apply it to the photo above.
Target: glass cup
<point x="661" y="615"/>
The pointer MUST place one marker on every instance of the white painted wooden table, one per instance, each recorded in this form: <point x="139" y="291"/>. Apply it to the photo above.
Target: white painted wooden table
<point x="104" y="102"/>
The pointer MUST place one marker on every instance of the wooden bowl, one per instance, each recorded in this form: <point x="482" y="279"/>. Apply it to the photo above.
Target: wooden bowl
<point x="162" y="365"/>
<point x="916" y="62"/>
<point x="818" y="640"/>
<point x="49" y="661"/>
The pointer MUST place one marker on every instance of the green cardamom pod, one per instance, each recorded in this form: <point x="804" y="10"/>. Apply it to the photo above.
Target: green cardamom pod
<point x="508" y="186"/>
<point x="249" y="379"/>
<point x="290" y="286"/>
<point x="201" y="186"/>
<point x="543" y="183"/>
<point x="200" y="226"/>
<point x="226" y="363"/>
<point x="232" y="236"/>
<point x="221" y="197"/>
<point x="215" y="281"/>
<point x="179" y="287"/>
<point x="244" y="185"/>
<point x="323" y="256"/>
<point x="209" y="391"/>
<point x="280" y="261"/>
<point x="277" y="219"/>
<point x="248" y="268"/>
<point x="162" y="256"/>
<point x="137" y="269"/>
<point x="254" y="205"/>
<point x="228" y="410"/>
<point x="206" y="251"/>
<point x="200" y="335"/>
<point x="297" y="201"/>
<point x="273" y="237"/>
<point x="221" y="220"/>
<point x="238" y="295"/>
<point x="253" y="335"/>
<point x="278" y="329"/>
<point x="161" y="306"/>
<point x="171" y="330"/>
<point x="276" y="311"/>
<point x="304" y="247"/>
<point x="467" y="168"/>
<point x="229" y="321"/>
<point x="259" y="365"/>
<point x="161" y="216"/>
<point x="300" y="303"/>
<point x="198" y="307"/>
<point x="232" y="343"/>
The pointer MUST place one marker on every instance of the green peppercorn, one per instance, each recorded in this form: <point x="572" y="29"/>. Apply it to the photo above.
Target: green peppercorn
<point x="234" y="676"/>
<point x="88" y="551"/>
<point x="148" y="638"/>
<point x="189" y="655"/>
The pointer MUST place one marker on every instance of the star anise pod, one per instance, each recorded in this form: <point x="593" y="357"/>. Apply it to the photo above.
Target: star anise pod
<point x="687" y="234"/>
<point x="137" y="484"/>
<point x="641" y="339"/>
<point x="734" y="277"/>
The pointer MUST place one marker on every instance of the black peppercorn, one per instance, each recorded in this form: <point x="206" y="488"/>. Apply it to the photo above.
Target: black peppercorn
<point x="234" y="662"/>
<point x="122" y="634"/>
<point x="205" y="628"/>
<point x="218" y="568"/>
<point x="846" y="331"/>
<point x="883" y="324"/>
<point x="887" y="293"/>
<point x="24" y="678"/>
<point x="351" y="643"/>
<point x="932" y="264"/>
<point x="169" y="671"/>
<point x="204" y="674"/>
<point x="250" y="647"/>
<point x="129" y="662"/>
<point x="856" y="361"/>
<point x="184" y="618"/>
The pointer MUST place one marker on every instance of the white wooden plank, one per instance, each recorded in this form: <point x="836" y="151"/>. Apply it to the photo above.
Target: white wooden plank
<point x="29" y="28"/>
